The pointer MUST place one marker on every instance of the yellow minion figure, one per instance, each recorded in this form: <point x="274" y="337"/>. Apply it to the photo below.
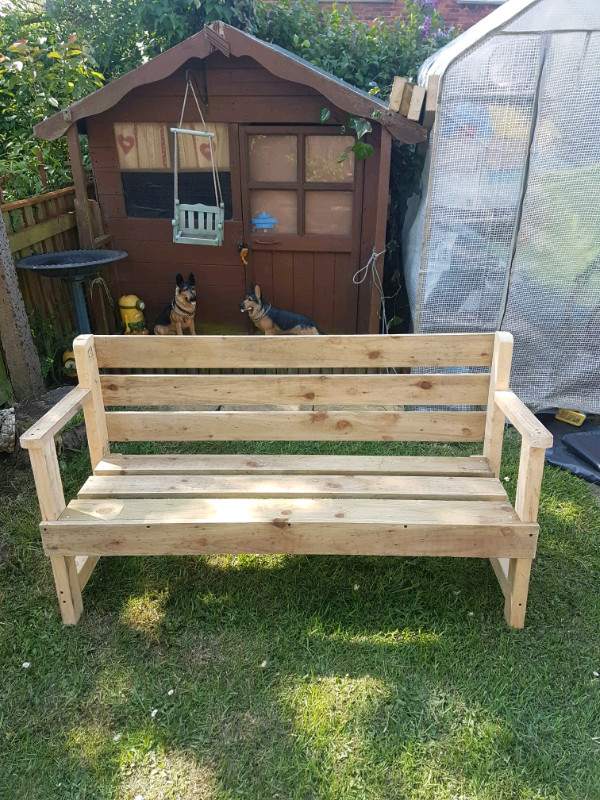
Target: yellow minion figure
<point x="69" y="367"/>
<point x="131" y="308"/>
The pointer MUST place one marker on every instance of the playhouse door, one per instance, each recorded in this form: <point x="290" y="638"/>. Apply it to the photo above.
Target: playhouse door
<point x="302" y="219"/>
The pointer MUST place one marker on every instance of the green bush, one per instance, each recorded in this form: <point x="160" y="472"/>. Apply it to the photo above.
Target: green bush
<point x="58" y="52"/>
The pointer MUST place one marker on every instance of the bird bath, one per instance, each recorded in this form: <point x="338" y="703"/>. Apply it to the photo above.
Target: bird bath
<point x="73" y="266"/>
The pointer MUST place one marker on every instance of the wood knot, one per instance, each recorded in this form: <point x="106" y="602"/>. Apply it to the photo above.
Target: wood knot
<point x="425" y="385"/>
<point x="104" y="510"/>
<point x="341" y="515"/>
<point x="252" y="464"/>
<point x="279" y="522"/>
<point x="320" y="416"/>
<point x="343" y="423"/>
<point x="113" y="387"/>
<point x="310" y="395"/>
<point x="466" y="431"/>
<point x="374" y="354"/>
<point x="332" y="485"/>
<point x="286" y="511"/>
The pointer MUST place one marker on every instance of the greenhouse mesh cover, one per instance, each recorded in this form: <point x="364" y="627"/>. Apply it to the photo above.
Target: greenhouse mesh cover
<point x="507" y="232"/>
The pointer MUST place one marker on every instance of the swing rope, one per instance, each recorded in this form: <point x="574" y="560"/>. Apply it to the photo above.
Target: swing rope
<point x="215" y="172"/>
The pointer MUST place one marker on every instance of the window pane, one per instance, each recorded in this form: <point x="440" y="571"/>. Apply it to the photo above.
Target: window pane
<point x="194" y="151"/>
<point x="142" y="145"/>
<point x="328" y="213"/>
<point x="322" y="153"/>
<point x="273" y="159"/>
<point x="276" y="204"/>
<point x="149" y="195"/>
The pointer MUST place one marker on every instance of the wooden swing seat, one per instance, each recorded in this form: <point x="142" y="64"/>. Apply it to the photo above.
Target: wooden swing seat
<point x="314" y="504"/>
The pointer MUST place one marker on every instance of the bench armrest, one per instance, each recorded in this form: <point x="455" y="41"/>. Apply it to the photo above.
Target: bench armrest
<point x="530" y="428"/>
<point x="55" y="419"/>
<point x="533" y="450"/>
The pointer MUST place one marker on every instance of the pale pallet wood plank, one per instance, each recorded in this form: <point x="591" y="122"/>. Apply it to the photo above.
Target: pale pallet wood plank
<point x="499" y="380"/>
<point x="416" y="350"/>
<point x="354" y="486"/>
<point x="85" y="566"/>
<point x="89" y="378"/>
<point x="353" y="527"/>
<point x="46" y="474"/>
<point x="530" y="428"/>
<point x="135" y="390"/>
<point x="55" y="419"/>
<point x="118" y="464"/>
<point x="416" y="103"/>
<point x="414" y="426"/>
<point x="396" y="94"/>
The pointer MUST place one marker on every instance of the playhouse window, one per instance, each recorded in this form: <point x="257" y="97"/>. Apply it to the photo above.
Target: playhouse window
<point x="298" y="185"/>
<point x="145" y="152"/>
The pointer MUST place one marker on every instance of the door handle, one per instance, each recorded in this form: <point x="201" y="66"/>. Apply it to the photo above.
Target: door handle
<point x="263" y="241"/>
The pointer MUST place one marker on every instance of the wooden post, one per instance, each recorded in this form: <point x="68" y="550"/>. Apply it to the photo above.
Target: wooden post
<point x="89" y="378"/>
<point x="381" y="225"/>
<point x="21" y="357"/>
<point x="85" y="223"/>
<point x="531" y="470"/>
<point x="46" y="473"/>
<point x="499" y="380"/>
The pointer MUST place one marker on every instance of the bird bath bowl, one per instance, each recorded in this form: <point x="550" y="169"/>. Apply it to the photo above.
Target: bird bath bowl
<point x="73" y="266"/>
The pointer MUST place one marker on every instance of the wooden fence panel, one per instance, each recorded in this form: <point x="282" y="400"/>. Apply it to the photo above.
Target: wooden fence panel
<point x="44" y="224"/>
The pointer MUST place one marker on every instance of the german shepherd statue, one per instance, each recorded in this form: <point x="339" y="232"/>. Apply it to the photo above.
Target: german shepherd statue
<point x="273" y="321"/>
<point x="179" y="315"/>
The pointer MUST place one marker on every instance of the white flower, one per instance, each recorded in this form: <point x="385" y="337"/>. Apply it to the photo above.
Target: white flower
<point x="507" y="478"/>
<point x="139" y="797"/>
<point x="596" y="674"/>
<point x="154" y="713"/>
<point x="471" y="613"/>
<point x="356" y="587"/>
<point x="170" y="692"/>
<point x="26" y="664"/>
<point x="116" y="737"/>
<point x="264" y="663"/>
<point x="458" y="591"/>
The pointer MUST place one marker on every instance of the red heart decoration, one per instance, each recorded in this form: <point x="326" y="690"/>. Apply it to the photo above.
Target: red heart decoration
<point x="127" y="143"/>
<point x="205" y="150"/>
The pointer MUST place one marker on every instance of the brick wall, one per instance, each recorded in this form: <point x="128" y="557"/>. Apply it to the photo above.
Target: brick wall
<point x="456" y="13"/>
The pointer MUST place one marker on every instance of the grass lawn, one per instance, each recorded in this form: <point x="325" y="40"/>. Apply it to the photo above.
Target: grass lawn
<point x="302" y="678"/>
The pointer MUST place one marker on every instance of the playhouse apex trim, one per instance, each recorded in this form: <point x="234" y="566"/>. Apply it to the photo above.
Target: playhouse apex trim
<point x="232" y="42"/>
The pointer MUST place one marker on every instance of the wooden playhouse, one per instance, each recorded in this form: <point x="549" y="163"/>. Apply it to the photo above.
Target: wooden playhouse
<point x="319" y="221"/>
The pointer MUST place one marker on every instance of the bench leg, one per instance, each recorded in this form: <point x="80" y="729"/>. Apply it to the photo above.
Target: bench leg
<point x="515" y="606"/>
<point x="67" y="588"/>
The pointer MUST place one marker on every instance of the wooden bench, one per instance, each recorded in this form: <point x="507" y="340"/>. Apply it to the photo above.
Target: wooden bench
<point x="358" y="505"/>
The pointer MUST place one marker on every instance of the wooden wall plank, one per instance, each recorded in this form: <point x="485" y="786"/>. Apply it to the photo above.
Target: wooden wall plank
<point x="303" y="283"/>
<point x="283" y="280"/>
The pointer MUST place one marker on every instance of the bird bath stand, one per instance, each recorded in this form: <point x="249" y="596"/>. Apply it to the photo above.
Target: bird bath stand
<point x="73" y="266"/>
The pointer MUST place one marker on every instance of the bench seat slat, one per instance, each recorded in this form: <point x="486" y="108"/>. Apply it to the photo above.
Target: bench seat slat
<point x="404" y="487"/>
<point x="289" y="525"/>
<point x="238" y="426"/>
<point x="117" y="464"/>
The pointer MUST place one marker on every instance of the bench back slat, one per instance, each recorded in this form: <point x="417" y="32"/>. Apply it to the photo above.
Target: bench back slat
<point x="350" y="407"/>
<point x="280" y="352"/>
<point x="294" y="426"/>
<point x="190" y="390"/>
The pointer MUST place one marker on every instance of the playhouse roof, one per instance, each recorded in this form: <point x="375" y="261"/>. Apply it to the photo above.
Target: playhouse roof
<point x="516" y="17"/>
<point x="232" y="42"/>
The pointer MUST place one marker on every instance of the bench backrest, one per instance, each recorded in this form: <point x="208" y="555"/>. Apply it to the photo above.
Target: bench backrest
<point x="446" y="378"/>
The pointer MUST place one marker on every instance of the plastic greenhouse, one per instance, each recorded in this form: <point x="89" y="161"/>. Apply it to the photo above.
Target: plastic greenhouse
<point x="506" y="232"/>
